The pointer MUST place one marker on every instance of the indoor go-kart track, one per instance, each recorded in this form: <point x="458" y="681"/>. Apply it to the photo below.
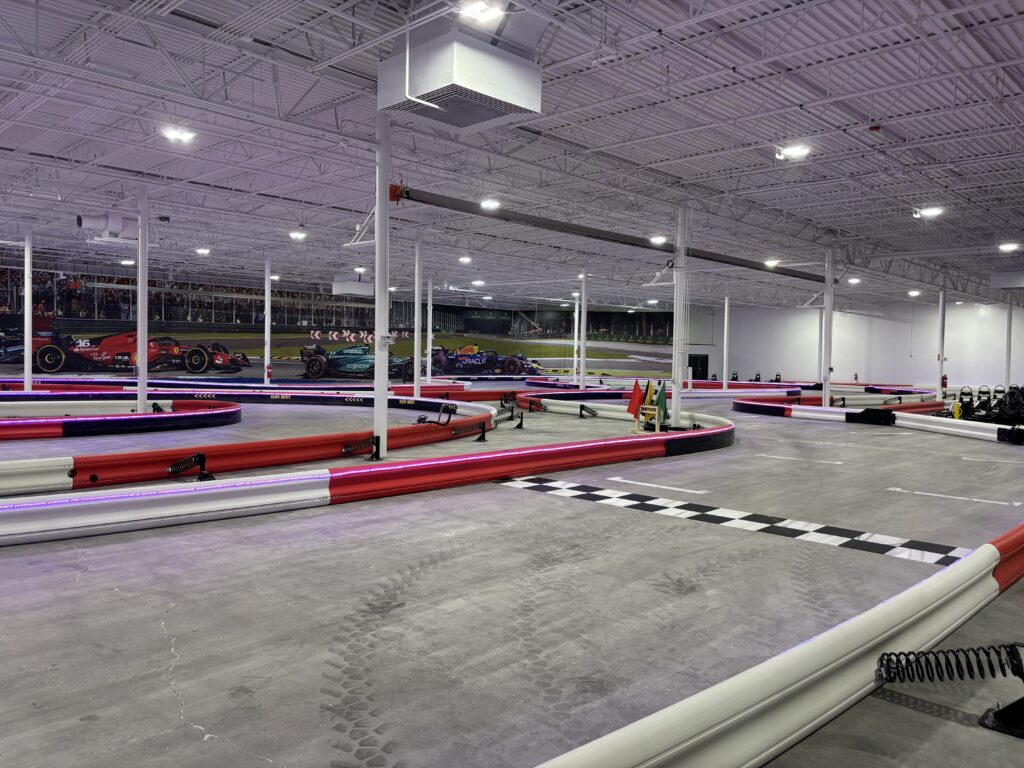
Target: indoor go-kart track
<point x="495" y="624"/>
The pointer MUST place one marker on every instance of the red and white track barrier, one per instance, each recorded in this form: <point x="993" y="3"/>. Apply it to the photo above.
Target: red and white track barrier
<point x="755" y="715"/>
<point x="916" y="415"/>
<point x="69" y="515"/>
<point x="100" y="470"/>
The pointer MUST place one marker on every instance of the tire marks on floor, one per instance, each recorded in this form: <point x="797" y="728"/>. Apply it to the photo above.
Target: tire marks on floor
<point x="364" y="735"/>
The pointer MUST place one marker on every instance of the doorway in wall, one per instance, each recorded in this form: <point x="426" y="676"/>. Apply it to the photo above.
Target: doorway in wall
<point x="699" y="364"/>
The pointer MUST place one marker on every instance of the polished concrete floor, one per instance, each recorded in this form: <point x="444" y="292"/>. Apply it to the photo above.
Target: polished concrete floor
<point x="486" y="626"/>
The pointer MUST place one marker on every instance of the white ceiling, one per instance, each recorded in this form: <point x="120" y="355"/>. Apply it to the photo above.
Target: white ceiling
<point x="648" y="104"/>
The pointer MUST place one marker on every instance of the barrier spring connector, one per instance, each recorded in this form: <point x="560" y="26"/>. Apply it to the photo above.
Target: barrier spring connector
<point x="951" y="664"/>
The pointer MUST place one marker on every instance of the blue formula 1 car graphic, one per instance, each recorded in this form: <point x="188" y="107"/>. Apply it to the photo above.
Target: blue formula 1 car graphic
<point x="473" y="360"/>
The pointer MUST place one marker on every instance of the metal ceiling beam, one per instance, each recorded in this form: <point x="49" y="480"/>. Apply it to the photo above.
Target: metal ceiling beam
<point x="568" y="228"/>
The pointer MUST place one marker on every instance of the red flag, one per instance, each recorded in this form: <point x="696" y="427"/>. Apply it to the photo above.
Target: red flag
<point x="635" y="399"/>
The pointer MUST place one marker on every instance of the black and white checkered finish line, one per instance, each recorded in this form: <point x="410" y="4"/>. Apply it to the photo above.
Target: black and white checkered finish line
<point x="907" y="549"/>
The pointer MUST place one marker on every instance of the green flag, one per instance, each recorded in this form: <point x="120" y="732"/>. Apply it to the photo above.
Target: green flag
<point x="662" y="404"/>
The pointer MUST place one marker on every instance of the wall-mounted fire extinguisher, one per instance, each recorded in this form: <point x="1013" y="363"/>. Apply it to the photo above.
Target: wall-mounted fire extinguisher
<point x="945" y="381"/>
<point x="270" y="371"/>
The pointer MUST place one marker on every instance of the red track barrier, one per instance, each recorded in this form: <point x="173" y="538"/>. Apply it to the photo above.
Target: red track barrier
<point x="1011" y="557"/>
<point x="118" y="468"/>
<point x="40" y="387"/>
<point x="356" y="484"/>
<point x="14" y="431"/>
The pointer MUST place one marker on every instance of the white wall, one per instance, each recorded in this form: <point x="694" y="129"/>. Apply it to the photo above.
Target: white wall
<point x="897" y="344"/>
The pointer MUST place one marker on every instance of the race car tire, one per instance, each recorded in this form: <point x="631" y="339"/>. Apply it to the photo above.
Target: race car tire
<point x="316" y="367"/>
<point x="197" y="359"/>
<point x="51" y="359"/>
<point x="513" y="366"/>
<point x="408" y="370"/>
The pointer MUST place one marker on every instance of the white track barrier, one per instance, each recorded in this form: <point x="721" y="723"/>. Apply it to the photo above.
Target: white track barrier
<point x="41" y="409"/>
<point x="64" y="516"/>
<point x="618" y="412"/>
<point x="34" y="475"/>
<point x="750" y="718"/>
<point x="975" y="430"/>
<point x="958" y="427"/>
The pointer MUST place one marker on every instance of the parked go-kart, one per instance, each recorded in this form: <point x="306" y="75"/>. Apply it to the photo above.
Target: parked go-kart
<point x="56" y="353"/>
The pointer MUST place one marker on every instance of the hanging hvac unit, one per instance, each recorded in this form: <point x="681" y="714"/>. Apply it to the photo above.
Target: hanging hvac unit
<point x="474" y="85"/>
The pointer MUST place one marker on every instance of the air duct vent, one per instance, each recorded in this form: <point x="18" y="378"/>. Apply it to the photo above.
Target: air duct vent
<point x="476" y="85"/>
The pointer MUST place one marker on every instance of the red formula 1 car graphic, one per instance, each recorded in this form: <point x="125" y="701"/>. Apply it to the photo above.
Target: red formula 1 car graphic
<point x="56" y="353"/>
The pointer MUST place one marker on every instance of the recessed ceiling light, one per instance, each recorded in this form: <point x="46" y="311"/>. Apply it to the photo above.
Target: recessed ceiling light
<point x="770" y="263"/>
<point x="792" y="152"/>
<point x="575" y="294"/>
<point x="298" y="234"/>
<point x="203" y="251"/>
<point x="360" y="270"/>
<point x="579" y="276"/>
<point x="480" y="10"/>
<point x="487" y="298"/>
<point x="392" y="288"/>
<point x="929" y="212"/>
<point x="275" y="277"/>
<point x="630" y="311"/>
<point x="563" y="304"/>
<point x="913" y="294"/>
<point x="1009" y="247"/>
<point x="478" y="283"/>
<point x="465" y="260"/>
<point x="490" y="204"/>
<point x="854" y="281"/>
<point x="173" y="133"/>
<point x="659" y="240"/>
<point x="127" y="262"/>
<point x="652" y="301"/>
<point x="958" y="303"/>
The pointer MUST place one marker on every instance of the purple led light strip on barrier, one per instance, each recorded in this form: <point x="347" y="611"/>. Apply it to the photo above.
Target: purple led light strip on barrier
<point x="33" y="420"/>
<point x="328" y="474"/>
<point x="209" y="487"/>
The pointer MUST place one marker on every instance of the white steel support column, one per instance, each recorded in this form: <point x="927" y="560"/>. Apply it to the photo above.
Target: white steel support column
<point x="575" y="340"/>
<point x="381" y="277"/>
<point x="939" y="391"/>
<point x="1009" y="337"/>
<point x="826" y="352"/>
<point x="430" y="329"/>
<point x="142" y="305"/>
<point x="583" y="332"/>
<point x="27" y="312"/>
<point x="417" y="322"/>
<point x="266" y="319"/>
<point x="819" y="373"/>
<point x="725" y="347"/>
<point x="679" y="309"/>
<point x="267" y="368"/>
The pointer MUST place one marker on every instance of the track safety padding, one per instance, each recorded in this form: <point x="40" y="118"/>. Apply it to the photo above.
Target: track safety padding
<point x="872" y="416"/>
<point x="141" y="466"/>
<point x="67" y="515"/>
<point x="1011" y="557"/>
<point x="751" y="717"/>
<point x="917" y="415"/>
<point x="355" y="484"/>
<point x="184" y="414"/>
